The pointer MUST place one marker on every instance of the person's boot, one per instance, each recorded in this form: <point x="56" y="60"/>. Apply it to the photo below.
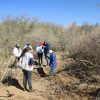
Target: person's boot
<point x="25" y="88"/>
<point x="30" y="90"/>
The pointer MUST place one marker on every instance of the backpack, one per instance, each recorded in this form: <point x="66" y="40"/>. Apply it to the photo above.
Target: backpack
<point x="40" y="49"/>
<point x="23" y="62"/>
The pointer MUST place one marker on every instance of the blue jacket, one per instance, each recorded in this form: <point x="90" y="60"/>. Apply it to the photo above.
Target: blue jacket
<point x="31" y="61"/>
<point x="53" y="60"/>
<point x="46" y="48"/>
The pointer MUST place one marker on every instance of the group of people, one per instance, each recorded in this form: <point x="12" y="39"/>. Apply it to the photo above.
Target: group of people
<point x="24" y="58"/>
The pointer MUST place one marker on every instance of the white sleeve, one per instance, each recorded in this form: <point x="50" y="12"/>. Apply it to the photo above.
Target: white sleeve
<point x="37" y="49"/>
<point x="24" y="47"/>
<point x="16" y="52"/>
<point x="42" y="49"/>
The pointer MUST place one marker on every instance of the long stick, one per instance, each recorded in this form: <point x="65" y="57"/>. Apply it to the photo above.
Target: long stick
<point x="6" y="69"/>
<point x="9" y="94"/>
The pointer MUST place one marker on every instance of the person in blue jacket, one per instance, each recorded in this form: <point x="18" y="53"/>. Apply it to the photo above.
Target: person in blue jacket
<point x="53" y="62"/>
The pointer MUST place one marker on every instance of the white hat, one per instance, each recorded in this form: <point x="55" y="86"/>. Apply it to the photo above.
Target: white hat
<point x="51" y="51"/>
<point x="17" y="45"/>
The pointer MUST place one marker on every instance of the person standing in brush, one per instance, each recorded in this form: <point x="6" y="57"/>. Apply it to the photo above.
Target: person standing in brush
<point x="40" y="50"/>
<point x="53" y="62"/>
<point x="46" y="51"/>
<point x="28" y="45"/>
<point x="17" y="52"/>
<point x="26" y="63"/>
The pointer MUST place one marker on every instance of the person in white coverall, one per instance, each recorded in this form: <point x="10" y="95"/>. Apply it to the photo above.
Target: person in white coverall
<point x="17" y="53"/>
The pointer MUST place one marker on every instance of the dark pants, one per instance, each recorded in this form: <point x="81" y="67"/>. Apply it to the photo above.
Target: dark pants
<point x="52" y="70"/>
<point x="40" y="58"/>
<point x="46" y="58"/>
<point x="16" y="61"/>
<point x="27" y="78"/>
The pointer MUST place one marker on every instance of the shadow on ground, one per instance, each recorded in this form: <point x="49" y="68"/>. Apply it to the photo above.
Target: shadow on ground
<point x="41" y="72"/>
<point x="12" y="82"/>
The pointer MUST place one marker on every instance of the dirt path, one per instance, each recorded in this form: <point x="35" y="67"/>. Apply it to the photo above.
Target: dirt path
<point x="41" y="85"/>
<point x="65" y="85"/>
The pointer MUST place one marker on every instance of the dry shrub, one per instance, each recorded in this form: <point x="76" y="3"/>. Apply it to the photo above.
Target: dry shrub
<point x="77" y="41"/>
<point x="87" y="46"/>
<point x="83" y="42"/>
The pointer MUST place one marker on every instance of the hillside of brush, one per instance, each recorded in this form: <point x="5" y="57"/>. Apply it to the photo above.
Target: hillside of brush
<point x="77" y="41"/>
<point x="78" y="54"/>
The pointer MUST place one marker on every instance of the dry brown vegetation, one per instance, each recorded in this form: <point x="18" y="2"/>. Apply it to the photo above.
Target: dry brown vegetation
<point x="77" y="41"/>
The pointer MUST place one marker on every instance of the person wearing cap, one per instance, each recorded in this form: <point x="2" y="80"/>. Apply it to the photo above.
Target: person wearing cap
<point x="40" y="50"/>
<point x="17" y="52"/>
<point x="53" y="62"/>
<point x="26" y="63"/>
<point x="28" y="45"/>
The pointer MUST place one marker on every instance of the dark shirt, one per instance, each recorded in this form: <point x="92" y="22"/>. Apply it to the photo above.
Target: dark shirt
<point x="46" y="48"/>
<point x="31" y="61"/>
